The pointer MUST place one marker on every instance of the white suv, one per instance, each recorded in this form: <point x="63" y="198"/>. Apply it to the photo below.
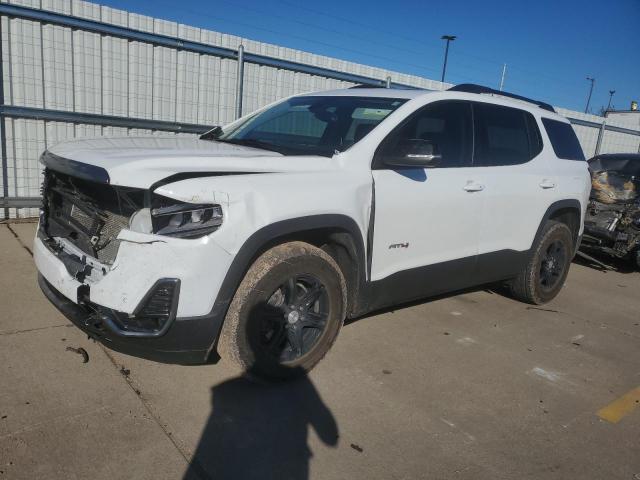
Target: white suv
<point x="259" y="238"/>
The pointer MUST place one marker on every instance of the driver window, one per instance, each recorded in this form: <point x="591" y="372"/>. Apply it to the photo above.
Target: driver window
<point x="447" y="125"/>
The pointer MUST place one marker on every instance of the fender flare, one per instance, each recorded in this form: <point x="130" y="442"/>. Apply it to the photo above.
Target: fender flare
<point x="272" y="234"/>
<point x="568" y="204"/>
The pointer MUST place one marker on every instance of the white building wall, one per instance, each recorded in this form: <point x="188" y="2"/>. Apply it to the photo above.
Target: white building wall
<point x="629" y="118"/>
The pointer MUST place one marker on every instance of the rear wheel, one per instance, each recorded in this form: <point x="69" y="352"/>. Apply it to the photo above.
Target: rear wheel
<point x="286" y="312"/>
<point x="545" y="273"/>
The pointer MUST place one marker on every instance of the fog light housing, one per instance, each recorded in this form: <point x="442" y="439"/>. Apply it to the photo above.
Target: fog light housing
<point x="152" y="318"/>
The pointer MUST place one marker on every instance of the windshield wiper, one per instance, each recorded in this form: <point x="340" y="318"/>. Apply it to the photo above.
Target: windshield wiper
<point x="212" y="134"/>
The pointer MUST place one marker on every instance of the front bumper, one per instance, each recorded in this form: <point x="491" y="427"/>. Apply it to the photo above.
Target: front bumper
<point x="142" y="260"/>
<point x="198" y="267"/>
<point x="187" y="341"/>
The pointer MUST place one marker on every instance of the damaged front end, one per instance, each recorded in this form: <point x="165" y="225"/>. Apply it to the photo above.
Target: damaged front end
<point x="612" y="221"/>
<point x="80" y="222"/>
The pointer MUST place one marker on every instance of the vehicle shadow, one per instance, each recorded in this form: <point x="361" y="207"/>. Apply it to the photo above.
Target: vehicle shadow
<point x="620" y="265"/>
<point x="490" y="288"/>
<point x="499" y="288"/>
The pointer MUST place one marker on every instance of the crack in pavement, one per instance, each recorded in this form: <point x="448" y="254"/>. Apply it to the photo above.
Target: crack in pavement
<point x="33" y="426"/>
<point x="147" y="405"/>
<point x="187" y="457"/>
<point x="18" y="239"/>
<point x="14" y="332"/>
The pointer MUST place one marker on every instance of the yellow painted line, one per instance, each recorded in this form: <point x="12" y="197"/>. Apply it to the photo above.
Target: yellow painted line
<point x="616" y="410"/>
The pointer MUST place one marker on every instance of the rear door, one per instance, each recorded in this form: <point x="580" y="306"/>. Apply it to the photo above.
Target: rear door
<point x="512" y="165"/>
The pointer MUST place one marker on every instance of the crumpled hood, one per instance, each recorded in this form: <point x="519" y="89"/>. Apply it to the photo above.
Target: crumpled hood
<point x="622" y="163"/>
<point x="142" y="161"/>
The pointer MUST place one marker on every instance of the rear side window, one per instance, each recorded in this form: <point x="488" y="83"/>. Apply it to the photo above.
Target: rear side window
<point x="504" y="136"/>
<point x="563" y="140"/>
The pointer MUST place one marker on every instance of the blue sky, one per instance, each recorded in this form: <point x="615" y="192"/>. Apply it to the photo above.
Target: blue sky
<point x="550" y="47"/>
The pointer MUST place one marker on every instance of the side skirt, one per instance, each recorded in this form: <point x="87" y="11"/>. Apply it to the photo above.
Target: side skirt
<point x="431" y="280"/>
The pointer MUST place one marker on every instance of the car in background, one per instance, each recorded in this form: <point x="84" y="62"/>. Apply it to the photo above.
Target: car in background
<point x="612" y="222"/>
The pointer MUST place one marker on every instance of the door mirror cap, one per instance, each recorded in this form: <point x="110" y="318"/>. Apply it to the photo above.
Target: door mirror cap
<point x="414" y="153"/>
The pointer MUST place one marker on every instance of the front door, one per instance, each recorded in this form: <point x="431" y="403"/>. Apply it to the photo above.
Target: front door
<point x="427" y="220"/>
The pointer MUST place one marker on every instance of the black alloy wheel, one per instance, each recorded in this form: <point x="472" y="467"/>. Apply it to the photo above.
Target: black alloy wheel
<point x="552" y="265"/>
<point x="294" y="318"/>
<point x="286" y="312"/>
<point x="544" y="274"/>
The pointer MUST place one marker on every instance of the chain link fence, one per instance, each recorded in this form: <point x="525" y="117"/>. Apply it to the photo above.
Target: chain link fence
<point x="73" y="69"/>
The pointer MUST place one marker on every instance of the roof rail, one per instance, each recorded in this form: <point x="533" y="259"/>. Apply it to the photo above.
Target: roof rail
<point x="473" y="88"/>
<point x="396" y="86"/>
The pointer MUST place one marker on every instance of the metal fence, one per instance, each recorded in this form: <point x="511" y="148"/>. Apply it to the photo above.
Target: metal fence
<point x="73" y="69"/>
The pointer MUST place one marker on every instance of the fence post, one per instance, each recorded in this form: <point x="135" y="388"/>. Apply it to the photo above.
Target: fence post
<point x="600" y="137"/>
<point x="3" y="136"/>
<point x="239" y="81"/>
<point x="388" y="82"/>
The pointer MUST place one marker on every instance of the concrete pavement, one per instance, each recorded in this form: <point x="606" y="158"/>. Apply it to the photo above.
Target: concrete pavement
<point x="470" y="386"/>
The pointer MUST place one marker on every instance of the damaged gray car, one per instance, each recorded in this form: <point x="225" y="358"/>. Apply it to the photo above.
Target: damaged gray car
<point x="612" y="221"/>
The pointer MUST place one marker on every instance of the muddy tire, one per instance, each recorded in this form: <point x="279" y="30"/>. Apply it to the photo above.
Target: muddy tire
<point x="546" y="271"/>
<point x="286" y="313"/>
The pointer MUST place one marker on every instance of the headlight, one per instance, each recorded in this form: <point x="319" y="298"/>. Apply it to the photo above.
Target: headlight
<point x="186" y="220"/>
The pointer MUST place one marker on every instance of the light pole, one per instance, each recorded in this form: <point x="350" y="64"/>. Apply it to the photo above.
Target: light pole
<point x="611" y="92"/>
<point x="592" y="80"/>
<point x="448" y="38"/>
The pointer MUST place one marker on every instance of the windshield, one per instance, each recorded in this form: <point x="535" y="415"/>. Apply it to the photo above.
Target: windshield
<point x="310" y="125"/>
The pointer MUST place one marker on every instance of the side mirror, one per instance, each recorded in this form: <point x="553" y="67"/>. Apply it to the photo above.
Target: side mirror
<point x="415" y="153"/>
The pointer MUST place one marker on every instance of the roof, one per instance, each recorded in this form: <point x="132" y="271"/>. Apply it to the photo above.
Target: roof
<point x="407" y="93"/>
<point x="370" y="92"/>
<point x="480" y="89"/>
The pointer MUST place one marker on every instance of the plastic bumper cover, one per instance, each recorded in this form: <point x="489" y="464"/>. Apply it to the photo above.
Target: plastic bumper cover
<point x="142" y="260"/>
<point x="187" y="340"/>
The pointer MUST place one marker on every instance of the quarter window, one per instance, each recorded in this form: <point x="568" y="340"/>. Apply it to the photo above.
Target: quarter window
<point x="563" y="140"/>
<point x="504" y="136"/>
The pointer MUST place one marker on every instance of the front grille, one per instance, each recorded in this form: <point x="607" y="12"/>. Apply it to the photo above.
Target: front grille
<point x="89" y="214"/>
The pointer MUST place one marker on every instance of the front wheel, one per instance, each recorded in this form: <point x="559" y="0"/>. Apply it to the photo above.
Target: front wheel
<point x="546" y="271"/>
<point x="286" y="313"/>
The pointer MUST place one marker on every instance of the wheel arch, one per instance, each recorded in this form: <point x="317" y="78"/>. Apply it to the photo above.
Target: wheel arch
<point x="337" y="234"/>
<point x="567" y="211"/>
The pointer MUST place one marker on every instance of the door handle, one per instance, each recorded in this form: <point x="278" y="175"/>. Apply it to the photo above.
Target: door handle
<point x="547" y="184"/>
<point x="473" y="187"/>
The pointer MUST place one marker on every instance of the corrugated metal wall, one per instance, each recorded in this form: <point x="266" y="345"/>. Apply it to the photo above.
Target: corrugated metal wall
<point x="612" y="141"/>
<point x="47" y="66"/>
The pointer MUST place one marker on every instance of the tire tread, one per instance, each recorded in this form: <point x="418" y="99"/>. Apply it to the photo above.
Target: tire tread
<point x="228" y="344"/>
<point x="524" y="286"/>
